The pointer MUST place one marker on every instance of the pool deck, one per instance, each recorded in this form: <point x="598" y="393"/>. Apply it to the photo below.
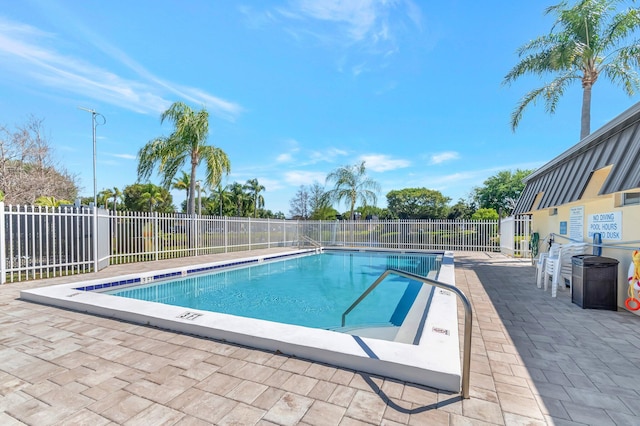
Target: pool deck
<point x="535" y="360"/>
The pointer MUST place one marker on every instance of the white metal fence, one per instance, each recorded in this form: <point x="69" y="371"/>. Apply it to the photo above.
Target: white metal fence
<point x="515" y="234"/>
<point x="43" y="242"/>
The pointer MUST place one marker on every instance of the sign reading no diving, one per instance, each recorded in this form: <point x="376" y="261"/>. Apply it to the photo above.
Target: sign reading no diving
<point x="609" y="225"/>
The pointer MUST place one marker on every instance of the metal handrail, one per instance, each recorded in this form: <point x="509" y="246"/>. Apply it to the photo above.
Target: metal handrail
<point x="617" y="246"/>
<point x="468" y="316"/>
<point x="311" y="241"/>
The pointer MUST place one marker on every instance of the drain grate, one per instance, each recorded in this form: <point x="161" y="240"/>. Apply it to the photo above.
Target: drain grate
<point x="189" y="316"/>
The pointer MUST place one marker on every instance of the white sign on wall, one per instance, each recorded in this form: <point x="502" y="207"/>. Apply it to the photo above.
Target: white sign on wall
<point x="576" y="223"/>
<point x="609" y="225"/>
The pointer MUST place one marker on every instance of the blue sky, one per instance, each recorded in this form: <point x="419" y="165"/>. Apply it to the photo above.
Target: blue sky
<point x="294" y="88"/>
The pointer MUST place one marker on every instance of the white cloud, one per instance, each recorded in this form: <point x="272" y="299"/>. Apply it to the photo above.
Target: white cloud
<point x="328" y="155"/>
<point x="301" y="177"/>
<point x="124" y="156"/>
<point x="369" y="23"/>
<point x="286" y="157"/>
<point x="383" y="163"/>
<point x="270" y="184"/>
<point x="358" y="16"/>
<point x="443" y="157"/>
<point x="26" y="51"/>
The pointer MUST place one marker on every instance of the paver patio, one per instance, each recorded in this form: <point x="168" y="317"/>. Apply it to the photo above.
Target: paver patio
<point x="535" y="360"/>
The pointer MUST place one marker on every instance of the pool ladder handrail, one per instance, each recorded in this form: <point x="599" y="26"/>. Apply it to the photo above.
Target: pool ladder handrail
<point x="468" y="316"/>
<point x="311" y="241"/>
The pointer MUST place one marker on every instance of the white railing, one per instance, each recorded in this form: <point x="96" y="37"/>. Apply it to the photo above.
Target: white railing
<point x="457" y="235"/>
<point x="515" y="234"/>
<point x="38" y="242"/>
<point x="139" y="236"/>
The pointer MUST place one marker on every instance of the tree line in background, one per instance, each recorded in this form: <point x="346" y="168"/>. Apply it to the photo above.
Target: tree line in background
<point x="29" y="176"/>
<point x="495" y="199"/>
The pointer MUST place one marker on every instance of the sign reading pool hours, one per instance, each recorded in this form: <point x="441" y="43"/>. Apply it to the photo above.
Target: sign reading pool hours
<point x="609" y="225"/>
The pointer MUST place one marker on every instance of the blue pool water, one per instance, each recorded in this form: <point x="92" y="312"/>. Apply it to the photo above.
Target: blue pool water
<point x="311" y="291"/>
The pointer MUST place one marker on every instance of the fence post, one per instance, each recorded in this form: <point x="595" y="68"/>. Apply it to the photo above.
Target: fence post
<point x="226" y="234"/>
<point x="3" y="255"/>
<point x="95" y="238"/>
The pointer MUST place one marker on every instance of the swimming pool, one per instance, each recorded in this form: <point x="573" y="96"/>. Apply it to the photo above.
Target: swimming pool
<point x="433" y="361"/>
<point x="308" y="290"/>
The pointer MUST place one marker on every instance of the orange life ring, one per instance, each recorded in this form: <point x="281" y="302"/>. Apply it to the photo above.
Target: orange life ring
<point x="632" y="300"/>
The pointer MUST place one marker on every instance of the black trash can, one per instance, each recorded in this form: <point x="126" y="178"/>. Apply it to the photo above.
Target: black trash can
<point x="594" y="282"/>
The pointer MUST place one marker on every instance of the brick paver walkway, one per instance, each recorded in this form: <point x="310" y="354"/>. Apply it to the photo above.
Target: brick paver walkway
<point x="536" y="360"/>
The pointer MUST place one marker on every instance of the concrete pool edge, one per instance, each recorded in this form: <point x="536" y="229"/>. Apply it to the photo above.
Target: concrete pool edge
<point x="435" y="362"/>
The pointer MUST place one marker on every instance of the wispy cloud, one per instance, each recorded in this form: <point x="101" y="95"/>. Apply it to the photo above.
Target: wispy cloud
<point x="27" y="52"/>
<point x="285" y="157"/>
<point x="383" y="163"/>
<point x="371" y="26"/>
<point x="329" y="155"/>
<point x="443" y="157"/>
<point x="124" y="156"/>
<point x="289" y="156"/>
<point x="301" y="177"/>
<point x="270" y="184"/>
<point x="471" y="178"/>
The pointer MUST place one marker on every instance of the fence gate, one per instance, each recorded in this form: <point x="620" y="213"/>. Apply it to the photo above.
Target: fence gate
<point x="515" y="234"/>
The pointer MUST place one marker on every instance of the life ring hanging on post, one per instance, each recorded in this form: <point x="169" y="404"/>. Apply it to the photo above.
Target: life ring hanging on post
<point x="632" y="303"/>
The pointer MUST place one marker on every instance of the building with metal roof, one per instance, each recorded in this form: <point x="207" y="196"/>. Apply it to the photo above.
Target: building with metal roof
<point x="592" y="188"/>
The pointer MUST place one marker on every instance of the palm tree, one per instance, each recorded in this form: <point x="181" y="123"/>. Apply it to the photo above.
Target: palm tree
<point x="44" y="201"/>
<point x="352" y="184"/>
<point x="182" y="183"/>
<point x="240" y="198"/>
<point x="255" y="189"/>
<point x="152" y="195"/>
<point x="222" y="196"/>
<point x="103" y="197"/>
<point x="589" y="42"/>
<point x="186" y="143"/>
<point x="117" y="195"/>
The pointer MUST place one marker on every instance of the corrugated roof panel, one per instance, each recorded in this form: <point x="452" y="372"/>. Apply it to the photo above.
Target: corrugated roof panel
<point x="626" y="173"/>
<point x="581" y="171"/>
<point x="564" y="178"/>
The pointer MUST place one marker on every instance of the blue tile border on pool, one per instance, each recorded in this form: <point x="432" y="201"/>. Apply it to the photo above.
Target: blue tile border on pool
<point x="138" y="280"/>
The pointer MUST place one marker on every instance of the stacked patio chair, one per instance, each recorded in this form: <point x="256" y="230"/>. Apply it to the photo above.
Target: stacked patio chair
<point x="566" y="269"/>
<point x="542" y="264"/>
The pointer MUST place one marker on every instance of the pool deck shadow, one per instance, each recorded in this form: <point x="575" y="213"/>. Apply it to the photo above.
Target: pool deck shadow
<point x="535" y="360"/>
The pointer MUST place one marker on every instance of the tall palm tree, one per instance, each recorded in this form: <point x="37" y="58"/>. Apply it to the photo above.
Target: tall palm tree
<point x="182" y="183"/>
<point x="351" y="184"/>
<point x="588" y="40"/>
<point x="117" y="195"/>
<point x="222" y="196"/>
<point x="255" y="189"/>
<point x="187" y="143"/>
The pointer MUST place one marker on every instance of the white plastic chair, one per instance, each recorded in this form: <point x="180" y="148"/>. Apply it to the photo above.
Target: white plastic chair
<point x="566" y="269"/>
<point x="540" y="265"/>
<point x="551" y="265"/>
